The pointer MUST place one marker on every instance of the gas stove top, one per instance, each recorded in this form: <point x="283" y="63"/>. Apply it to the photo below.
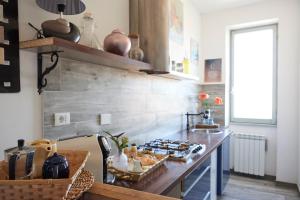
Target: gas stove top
<point x="177" y="150"/>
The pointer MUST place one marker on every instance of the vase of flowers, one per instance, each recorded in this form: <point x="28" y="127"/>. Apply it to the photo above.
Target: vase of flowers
<point x="208" y="107"/>
<point x="120" y="160"/>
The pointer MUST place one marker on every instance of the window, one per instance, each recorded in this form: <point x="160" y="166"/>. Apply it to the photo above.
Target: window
<point x="254" y="75"/>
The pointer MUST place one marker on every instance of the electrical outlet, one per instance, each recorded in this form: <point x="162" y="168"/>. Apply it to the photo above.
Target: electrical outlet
<point x="105" y="119"/>
<point x="61" y="119"/>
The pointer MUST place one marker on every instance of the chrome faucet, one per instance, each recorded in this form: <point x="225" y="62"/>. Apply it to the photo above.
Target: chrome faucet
<point x="205" y="117"/>
<point x="205" y="114"/>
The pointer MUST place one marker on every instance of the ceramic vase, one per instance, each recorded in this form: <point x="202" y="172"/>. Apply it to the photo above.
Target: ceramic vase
<point x="117" y="43"/>
<point x="120" y="161"/>
<point x="135" y="52"/>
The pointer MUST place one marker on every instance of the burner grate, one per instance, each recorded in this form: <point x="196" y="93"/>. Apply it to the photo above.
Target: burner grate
<point x="177" y="150"/>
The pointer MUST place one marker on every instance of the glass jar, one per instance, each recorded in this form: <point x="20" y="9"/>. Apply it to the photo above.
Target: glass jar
<point x="88" y="26"/>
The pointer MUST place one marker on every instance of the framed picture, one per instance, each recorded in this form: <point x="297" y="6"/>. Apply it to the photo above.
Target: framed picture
<point x="176" y="22"/>
<point x="213" y="70"/>
<point x="194" y="52"/>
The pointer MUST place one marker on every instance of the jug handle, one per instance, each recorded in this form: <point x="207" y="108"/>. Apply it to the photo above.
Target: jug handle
<point x="12" y="167"/>
<point x="29" y="163"/>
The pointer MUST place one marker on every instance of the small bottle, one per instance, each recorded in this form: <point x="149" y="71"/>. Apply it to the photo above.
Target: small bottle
<point x="173" y="65"/>
<point x="179" y="67"/>
<point x="186" y="65"/>
<point x="133" y="151"/>
<point x="126" y="151"/>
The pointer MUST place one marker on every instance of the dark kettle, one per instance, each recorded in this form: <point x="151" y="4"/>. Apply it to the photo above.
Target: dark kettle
<point x="20" y="161"/>
<point x="56" y="167"/>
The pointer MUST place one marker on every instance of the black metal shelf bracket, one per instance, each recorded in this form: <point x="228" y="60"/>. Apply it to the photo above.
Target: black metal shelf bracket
<point x="42" y="80"/>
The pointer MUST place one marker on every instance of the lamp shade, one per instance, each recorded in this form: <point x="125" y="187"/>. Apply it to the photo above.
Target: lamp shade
<point x="72" y="7"/>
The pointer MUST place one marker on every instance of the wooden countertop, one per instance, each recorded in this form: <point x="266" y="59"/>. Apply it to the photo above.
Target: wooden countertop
<point x="101" y="191"/>
<point x="170" y="174"/>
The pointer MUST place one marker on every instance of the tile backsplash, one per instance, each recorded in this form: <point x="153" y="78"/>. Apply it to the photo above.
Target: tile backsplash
<point x="216" y="90"/>
<point x="139" y="103"/>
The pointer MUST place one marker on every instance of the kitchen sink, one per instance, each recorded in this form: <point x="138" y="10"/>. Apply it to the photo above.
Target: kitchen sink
<point x="207" y="131"/>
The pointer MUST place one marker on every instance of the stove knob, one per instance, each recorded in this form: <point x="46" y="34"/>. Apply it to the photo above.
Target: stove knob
<point x="171" y="152"/>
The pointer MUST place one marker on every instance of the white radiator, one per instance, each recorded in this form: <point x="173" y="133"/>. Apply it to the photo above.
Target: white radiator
<point x="249" y="154"/>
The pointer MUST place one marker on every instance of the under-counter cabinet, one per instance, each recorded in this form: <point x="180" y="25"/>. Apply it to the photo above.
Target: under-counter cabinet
<point x="200" y="184"/>
<point x="223" y="165"/>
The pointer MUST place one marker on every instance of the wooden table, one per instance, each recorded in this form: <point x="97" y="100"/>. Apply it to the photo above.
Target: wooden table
<point x="169" y="175"/>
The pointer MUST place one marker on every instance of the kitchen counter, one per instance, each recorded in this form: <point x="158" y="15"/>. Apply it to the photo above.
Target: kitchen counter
<point x="169" y="175"/>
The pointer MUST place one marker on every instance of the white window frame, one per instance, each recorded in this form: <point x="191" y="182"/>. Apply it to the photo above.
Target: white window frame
<point x="272" y="121"/>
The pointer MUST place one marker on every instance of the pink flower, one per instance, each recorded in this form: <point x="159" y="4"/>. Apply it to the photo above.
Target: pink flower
<point x="203" y="96"/>
<point x="218" y="101"/>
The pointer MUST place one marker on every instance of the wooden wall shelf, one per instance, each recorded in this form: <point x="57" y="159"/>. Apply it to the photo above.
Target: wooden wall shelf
<point x="74" y="51"/>
<point x="83" y="53"/>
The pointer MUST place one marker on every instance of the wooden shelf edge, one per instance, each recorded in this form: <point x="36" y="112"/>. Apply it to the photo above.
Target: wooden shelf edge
<point x="83" y="53"/>
<point x="29" y="44"/>
<point x="213" y="83"/>
<point x="180" y="76"/>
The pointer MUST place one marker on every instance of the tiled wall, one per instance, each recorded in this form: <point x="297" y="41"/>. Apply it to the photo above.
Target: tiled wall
<point x="139" y="103"/>
<point x="216" y="91"/>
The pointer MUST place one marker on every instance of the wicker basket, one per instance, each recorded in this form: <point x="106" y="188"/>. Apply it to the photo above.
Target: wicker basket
<point x="135" y="176"/>
<point x="42" y="189"/>
<point x="82" y="184"/>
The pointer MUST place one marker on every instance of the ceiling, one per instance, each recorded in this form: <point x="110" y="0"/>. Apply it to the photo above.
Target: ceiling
<point x="206" y="6"/>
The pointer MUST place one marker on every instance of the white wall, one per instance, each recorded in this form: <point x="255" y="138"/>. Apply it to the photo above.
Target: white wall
<point x="299" y="123"/>
<point x="282" y="157"/>
<point x="192" y="29"/>
<point x="299" y="127"/>
<point x="21" y="113"/>
<point x="108" y="15"/>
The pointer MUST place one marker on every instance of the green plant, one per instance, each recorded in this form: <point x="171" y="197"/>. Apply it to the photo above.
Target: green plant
<point x="120" y="140"/>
